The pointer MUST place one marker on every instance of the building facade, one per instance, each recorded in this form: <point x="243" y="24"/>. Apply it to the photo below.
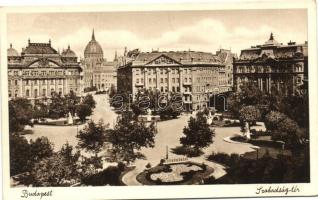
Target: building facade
<point x="273" y="65"/>
<point x="98" y="72"/>
<point x="40" y="70"/>
<point x="195" y="75"/>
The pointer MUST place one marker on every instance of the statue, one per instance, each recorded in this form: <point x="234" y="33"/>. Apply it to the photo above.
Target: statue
<point x="69" y="119"/>
<point x="149" y="112"/>
<point x="209" y="119"/>
<point x="247" y="133"/>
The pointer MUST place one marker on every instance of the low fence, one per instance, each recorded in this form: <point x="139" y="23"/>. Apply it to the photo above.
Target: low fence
<point x="175" y="160"/>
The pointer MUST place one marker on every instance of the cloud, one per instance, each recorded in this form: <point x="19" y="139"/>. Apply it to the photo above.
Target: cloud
<point x="205" y="35"/>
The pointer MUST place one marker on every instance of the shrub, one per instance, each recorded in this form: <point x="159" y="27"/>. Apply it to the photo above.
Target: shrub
<point x="148" y="166"/>
<point x="109" y="176"/>
<point x="224" y="158"/>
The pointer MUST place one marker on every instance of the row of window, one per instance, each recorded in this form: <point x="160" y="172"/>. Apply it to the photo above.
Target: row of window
<point x="164" y="80"/>
<point x="267" y="69"/>
<point x="162" y="71"/>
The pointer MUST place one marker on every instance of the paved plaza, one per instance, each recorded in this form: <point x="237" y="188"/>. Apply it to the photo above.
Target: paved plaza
<point x="169" y="133"/>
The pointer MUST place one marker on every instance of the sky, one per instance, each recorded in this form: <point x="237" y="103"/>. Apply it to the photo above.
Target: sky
<point x="205" y="31"/>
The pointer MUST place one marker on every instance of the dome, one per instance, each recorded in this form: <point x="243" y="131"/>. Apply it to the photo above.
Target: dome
<point x="68" y="53"/>
<point x="93" y="49"/>
<point x="12" y="52"/>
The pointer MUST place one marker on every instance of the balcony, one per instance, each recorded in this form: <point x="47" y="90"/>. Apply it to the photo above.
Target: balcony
<point x="187" y="92"/>
<point x="187" y="83"/>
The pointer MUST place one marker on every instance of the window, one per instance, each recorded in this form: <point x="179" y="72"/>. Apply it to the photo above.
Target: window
<point x="154" y="80"/>
<point x="10" y="93"/>
<point x="27" y="82"/>
<point x="52" y="81"/>
<point x="166" y="80"/>
<point x="35" y="93"/>
<point x="150" y="80"/>
<point x="44" y="92"/>
<point x="137" y="80"/>
<point x="190" y="80"/>
<point x="43" y="81"/>
<point x="173" y="89"/>
<point x="161" y="80"/>
<point x="27" y="93"/>
<point x="178" y="89"/>
<point x="15" y="82"/>
<point x="141" y="80"/>
<point x="16" y="93"/>
<point x="60" y="81"/>
<point x="161" y="89"/>
<point x="185" y="80"/>
<point x="173" y="80"/>
<point x="161" y="71"/>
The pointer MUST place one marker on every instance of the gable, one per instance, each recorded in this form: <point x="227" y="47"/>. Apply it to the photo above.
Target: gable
<point x="163" y="60"/>
<point x="43" y="63"/>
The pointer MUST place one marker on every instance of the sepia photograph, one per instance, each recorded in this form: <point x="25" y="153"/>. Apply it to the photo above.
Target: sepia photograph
<point x="158" y="98"/>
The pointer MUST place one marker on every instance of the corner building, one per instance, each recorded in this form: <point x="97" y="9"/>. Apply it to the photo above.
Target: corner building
<point x="273" y="64"/>
<point x="40" y="70"/>
<point x="193" y="74"/>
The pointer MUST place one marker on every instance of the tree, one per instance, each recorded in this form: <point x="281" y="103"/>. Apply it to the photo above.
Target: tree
<point x="23" y="154"/>
<point x="129" y="136"/>
<point x="57" y="106"/>
<point x="284" y="129"/>
<point x="41" y="148"/>
<point x="169" y="112"/>
<point x="82" y="111"/>
<point x="20" y="114"/>
<point x="71" y="100"/>
<point x="249" y="114"/>
<point x="20" y="155"/>
<point x="48" y="172"/>
<point x="198" y="133"/>
<point x="273" y="119"/>
<point x="40" y="110"/>
<point x="249" y="94"/>
<point x="112" y="91"/>
<point x="92" y="139"/>
<point x="89" y="100"/>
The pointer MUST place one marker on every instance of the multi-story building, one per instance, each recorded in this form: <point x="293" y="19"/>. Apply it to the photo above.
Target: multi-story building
<point x="98" y="72"/>
<point x="193" y="74"/>
<point x="40" y="70"/>
<point x="273" y="64"/>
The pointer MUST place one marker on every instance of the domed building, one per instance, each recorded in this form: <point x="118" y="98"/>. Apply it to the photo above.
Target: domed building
<point x="99" y="74"/>
<point x="11" y="52"/>
<point x="40" y="70"/>
<point x="69" y="55"/>
<point x="93" y="49"/>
